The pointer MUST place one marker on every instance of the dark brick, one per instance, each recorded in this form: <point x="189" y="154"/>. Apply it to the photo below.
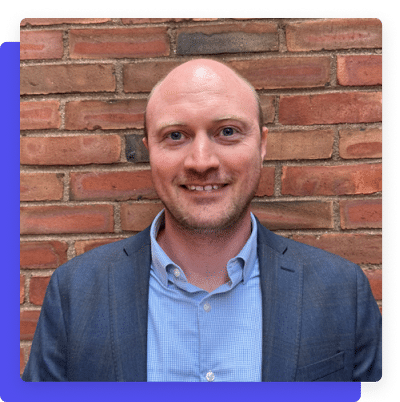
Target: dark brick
<point x="135" y="150"/>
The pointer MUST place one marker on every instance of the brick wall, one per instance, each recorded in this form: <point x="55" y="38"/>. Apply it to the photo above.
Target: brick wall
<point x="85" y="178"/>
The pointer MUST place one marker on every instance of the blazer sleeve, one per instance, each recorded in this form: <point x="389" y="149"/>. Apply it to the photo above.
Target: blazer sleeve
<point x="48" y="356"/>
<point x="368" y="342"/>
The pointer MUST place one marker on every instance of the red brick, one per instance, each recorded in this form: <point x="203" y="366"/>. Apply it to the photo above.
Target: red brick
<point x="82" y="246"/>
<point x="358" y="248"/>
<point x="141" y="77"/>
<point x="41" y="45"/>
<point x="111" y="115"/>
<point x="67" y="78"/>
<point x="294" y="214"/>
<point x="331" y="180"/>
<point x="227" y="38"/>
<point x="112" y="185"/>
<point x="118" y="43"/>
<point x="355" y="214"/>
<point x="132" y="21"/>
<point x="43" y="254"/>
<point x="315" y="144"/>
<point x="332" y="108"/>
<point x="267" y="107"/>
<point x="21" y="360"/>
<point x="359" y="70"/>
<point x="58" y="21"/>
<point x="41" y="186"/>
<point x="71" y="150"/>
<point x="285" y="72"/>
<point x="360" y="143"/>
<point x="28" y="322"/>
<point x="67" y="219"/>
<point x="334" y="34"/>
<point x="267" y="182"/>
<point x="375" y="280"/>
<point x="39" y="115"/>
<point x="137" y="217"/>
<point x="21" y="289"/>
<point x="37" y="289"/>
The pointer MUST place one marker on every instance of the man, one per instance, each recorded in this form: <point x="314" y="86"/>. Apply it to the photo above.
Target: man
<point x="206" y="293"/>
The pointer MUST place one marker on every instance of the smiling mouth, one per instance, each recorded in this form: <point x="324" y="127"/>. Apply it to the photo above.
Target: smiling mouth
<point x="208" y="187"/>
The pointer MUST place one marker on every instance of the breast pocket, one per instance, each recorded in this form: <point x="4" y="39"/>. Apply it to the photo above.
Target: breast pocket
<point x="322" y="370"/>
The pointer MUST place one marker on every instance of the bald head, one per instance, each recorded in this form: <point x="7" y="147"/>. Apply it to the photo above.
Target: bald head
<point x="200" y="75"/>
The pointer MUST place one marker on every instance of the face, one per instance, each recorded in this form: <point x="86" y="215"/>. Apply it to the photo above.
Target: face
<point x="205" y="146"/>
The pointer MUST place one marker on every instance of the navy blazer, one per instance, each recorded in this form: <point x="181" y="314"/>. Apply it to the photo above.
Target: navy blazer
<point x="320" y="320"/>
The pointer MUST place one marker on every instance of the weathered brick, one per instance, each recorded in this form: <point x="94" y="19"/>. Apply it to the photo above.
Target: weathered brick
<point x="334" y="34"/>
<point x="41" y="45"/>
<point x="37" y="289"/>
<point x="267" y="182"/>
<point x="294" y="214"/>
<point x="141" y="77"/>
<point x="67" y="78"/>
<point x="41" y="186"/>
<point x="227" y="38"/>
<point x="28" y="322"/>
<point x="355" y="214"/>
<point x="135" y="151"/>
<point x="358" y="248"/>
<point x="133" y="21"/>
<point x="285" y="72"/>
<point x="43" y="254"/>
<point x="81" y="246"/>
<point x="267" y="107"/>
<point x="331" y="180"/>
<point x="39" y="115"/>
<point x="112" y="185"/>
<point x="71" y="150"/>
<point x="21" y="360"/>
<point x="58" y="21"/>
<point x="137" y="217"/>
<point x="118" y="43"/>
<point x="106" y="115"/>
<point x="67" y="219"/>
<point x="360" y="143"/>
<point x="315" y="144"/>
<point x="332" y="108"/>
<point x="359" y="70"/>
<point x="375" y="280"/>
<point x="21" y="288"/>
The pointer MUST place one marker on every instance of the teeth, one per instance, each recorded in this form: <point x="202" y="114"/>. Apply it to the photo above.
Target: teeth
<point x="209" y="187"/>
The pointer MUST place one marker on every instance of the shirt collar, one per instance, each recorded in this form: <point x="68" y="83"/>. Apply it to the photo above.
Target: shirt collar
<point x="160" y="260"/>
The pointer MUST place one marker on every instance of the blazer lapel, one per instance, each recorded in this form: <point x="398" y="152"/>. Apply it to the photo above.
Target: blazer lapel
<point x="129" y="290"/>
<point x="281" y="281"/>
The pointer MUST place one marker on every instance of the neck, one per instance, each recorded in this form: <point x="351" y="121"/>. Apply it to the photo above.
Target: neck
<point x="203" y="255"/>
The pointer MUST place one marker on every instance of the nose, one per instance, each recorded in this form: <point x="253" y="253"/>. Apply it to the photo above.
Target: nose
<point x="202" y="154"/>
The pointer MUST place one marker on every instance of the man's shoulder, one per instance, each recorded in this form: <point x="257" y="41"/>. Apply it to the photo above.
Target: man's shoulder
<point x="108" y="255"/>
<point x="304" y="254"/>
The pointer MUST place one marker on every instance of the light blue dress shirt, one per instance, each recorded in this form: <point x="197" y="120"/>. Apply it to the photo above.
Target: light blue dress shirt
<point x="194" y="335"/>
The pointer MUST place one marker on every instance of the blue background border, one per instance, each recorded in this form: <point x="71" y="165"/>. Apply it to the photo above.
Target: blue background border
<point x="12" y="388"/>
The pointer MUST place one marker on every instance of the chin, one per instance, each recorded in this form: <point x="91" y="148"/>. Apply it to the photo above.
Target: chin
<point x="209" y="222"/>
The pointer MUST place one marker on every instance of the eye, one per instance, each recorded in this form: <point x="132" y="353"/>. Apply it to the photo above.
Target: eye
<point x="176" y="135"/>
<point x="227" y="131"/>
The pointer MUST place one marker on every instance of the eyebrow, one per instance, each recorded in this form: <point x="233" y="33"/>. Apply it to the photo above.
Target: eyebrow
<point x="223" y="118"/>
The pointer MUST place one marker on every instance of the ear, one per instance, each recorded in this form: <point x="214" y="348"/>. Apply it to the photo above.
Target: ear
<point x="264" y="134"/>
<point x="145" y="142"/>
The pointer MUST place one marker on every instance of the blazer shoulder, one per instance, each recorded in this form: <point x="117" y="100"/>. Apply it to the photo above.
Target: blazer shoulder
<point x="115" y="254"/>
<point x="306" y="255"/>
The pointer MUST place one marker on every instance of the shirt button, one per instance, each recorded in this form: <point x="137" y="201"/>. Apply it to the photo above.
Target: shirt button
<point x="207" y="308"/>
<point x="210" y="376"/>
<point x="176" y="273"/>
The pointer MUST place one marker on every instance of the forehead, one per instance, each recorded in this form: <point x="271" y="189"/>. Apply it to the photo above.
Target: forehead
<point x="214" y="92"/>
